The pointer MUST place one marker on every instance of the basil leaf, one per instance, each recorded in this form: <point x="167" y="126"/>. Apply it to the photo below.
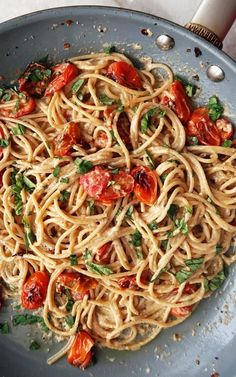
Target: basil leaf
<point x="105" y="100"/>
<point x="190" y="89"/>
<point x="83" y="166"/>
<point x="76" y="86"/>
<point x="29" y="238"/>
<point x="4" y="143"/>
<point x="109" y="50"/>
<point x="194" y="264"/>
<point x="20" y="130"/>
<point x="183" y="275"/>
<point x="215" y="109"/>
<point x="64" y="196"/>
<point x="146" y="120"/>
<point x="181" y="225"/>
<point x="28" y="183"/>
<point x="25" y="222"/>
<point x="188" y="209"/>
<point x="88" y="254"/>
<point x="115" y="171"/>
<point x="91" y="208"/>
<point x="99" y="268"/>
<point x="73" y="260"/>
<point x="192" y="140"/>
<point x="164" y="244"/>
<point x="130" y="212"/>
<point x="172" y="211"/>
<point x="227" y="143"/>
<point x="56" y="171"/>
<point x="206" y="285"/>
<point x="153" y="225"/>
<point x="4" y="328"/>
<point x="136" y="238"/>
<point x="29" y="319"/>
<point x="163" y="177"/>
<point x="218" y="280"/>
<point x="6" y="97"/>
<point x="70" y="320"/>
<point x="219" y="248"/>
<point x="64" y="180"/>
<point x="2" y="91"/>
<point x="150" y="160"/>
<point x="34" y="346"/>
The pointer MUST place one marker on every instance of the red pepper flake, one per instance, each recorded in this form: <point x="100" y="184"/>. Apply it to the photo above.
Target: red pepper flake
<point x="197" y="52"/>
<point x="69" y="22"/>
<point x="66" y="46"/>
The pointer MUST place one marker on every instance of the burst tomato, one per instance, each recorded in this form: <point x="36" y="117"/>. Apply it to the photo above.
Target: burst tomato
<point x="65" y="141"/>
<point x="184" y="310"/>
<point x="80" y="354"/>
<point x="24" y="105"/>
<point x="35" y="79"/>
<point x="63" y="73"/>
<point x="128" y="282"/>
<point x="79" y="285"/>
<point x="125" y="74"/>
<point x="103" y="254"/>
<point x="102" y="185"/>
<point x="180" y="104"/>
<point x="145" y="184"/>
<point x="35" y="290"/>
<point x="225" y="128"/>
<point x="201" y="126"/>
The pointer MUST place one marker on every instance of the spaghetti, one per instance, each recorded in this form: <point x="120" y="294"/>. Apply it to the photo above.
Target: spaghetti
<point x="104" y="192"/>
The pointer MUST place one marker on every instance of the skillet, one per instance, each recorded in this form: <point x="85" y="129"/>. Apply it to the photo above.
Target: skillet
<point x="207" y="338"/>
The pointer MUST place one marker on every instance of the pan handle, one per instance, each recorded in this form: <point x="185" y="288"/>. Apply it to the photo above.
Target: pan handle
<point x="213" y="20"/>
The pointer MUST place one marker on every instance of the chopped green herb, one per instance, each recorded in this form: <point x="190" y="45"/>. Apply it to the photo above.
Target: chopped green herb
<point x="73" y="260"/>
<point x="6" y="97"/>
<point x="181" y="225"/>
<point x="130" y="212"/>
<point x="87" y="254"/>
<point x="146" y="120"/>
<point x="164" y="244"/>
<point x="105" y="100"/>
<point x="70" y="302"/>
<point x="115" y="171"/>
<point x="4" y="328"/>
<point x="189" y="88"/>
<point x="150" y="160"/>
<point x="99" y="268"/>
<point x="70" y="320"/>
<point x="136" y="238"/>
<point x="163" y="177"/>
<point x="194" y="264"/>
<point x="83" y="166"/>
<point x="29" y="319"/>
<point x="20" y="130"/>
<point x="172" y="211"/>
<point x="139" y="254"/>
<point x="4" y="143"/>
<point x="25" y="222"/>
<point x="2" y="91"/>
<point x="219" y="248"/>
<point x="16" y="107"/>
<point x="170" y="233"/>
<point x="17" y="307"/>
<point x="56" y="171"/>
<point x="206" y="285"/>
<point x="113" y="136"/>
<point x="192" y="140"/>
<point x="188" y="209"/>
<point x="34" y="346"/>
<point x="183" y="275"/>
<point x="29" y="238"/>
<point x="64" y="180"/>
<point x="120" y="107"/>
<point x="109" y="50"/>
<point x="218" y="280"/>
<point x="153" y="225"/>
<point x="76" y="86"/>
<point x="227" y="143"/>
<point x="91" y="208"/>
<point x="215" y="109"/>
<point x="64" y="196"/>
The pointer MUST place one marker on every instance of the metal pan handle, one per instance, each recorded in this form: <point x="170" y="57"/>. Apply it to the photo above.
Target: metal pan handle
<point x="213" y="20"/>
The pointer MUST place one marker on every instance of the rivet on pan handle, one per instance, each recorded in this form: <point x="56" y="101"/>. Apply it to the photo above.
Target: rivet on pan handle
<point x="213" y="20"/>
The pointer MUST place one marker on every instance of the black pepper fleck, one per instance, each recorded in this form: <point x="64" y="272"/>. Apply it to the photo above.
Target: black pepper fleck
<point x="144" y="31"/>
<point x="197" y="362"/>
<point x="197" y="52"/>
<point x="196" y="77"/>
<point x="188" y="50"/>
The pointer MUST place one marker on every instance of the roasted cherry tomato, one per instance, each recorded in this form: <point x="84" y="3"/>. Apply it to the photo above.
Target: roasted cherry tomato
<point x="103" y="254"/>
<point x="145" y="184"/>
<point x="125" y="74"/>
<point x="180" y="102"/>
<point x="102" y="185"/>
<point x="128" y="282"/>
<point x="80" y="354"/>
<point x="201" y="126"/>
<point x="123" y="128"/>
<point x="184" y="310"/>
<point x="225" y="128"/>
<point x="78" y="284"/>
<point x="63" y="74"/>
<point x="65" y="141"/>
<point x="23" y="105"/>
<point x="35" y="79"/>
<point x="35" y="290"/>
<point x="101" y="140"/>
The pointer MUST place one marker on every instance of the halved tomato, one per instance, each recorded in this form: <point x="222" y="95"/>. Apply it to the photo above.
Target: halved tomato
<point x="24" y="105"/>
<point x="80" y="354"/>
<point x="180" y="104"/>
<point x="145" y="184"/>
<point x="63" y="73"/>
<point x="125" y="74"/>
<point x="78" y="284"/>
<point x="65" y="141"/>
<point x="35" y="290"/>
<point x="103" y="254"/>
<point x="184" y="310"/>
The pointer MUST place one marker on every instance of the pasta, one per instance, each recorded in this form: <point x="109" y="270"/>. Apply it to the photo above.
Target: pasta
<point x="129" y="257"/>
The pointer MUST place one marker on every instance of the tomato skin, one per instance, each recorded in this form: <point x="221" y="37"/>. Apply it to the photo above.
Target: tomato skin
<point x="128" y="282"/>
<point x="96" y="181"/>
<point x="64" y="73"/>
<point x="184" y="310"/>
<point x="225" y="128"/>
<point x="145" y="186"/>
<point x="125" y="74"/>
<point x="103" y="253"/>
<point x="35" y="290"/>
<point x="180" y="105"/>
<point x="80" y="354"/>
<point x="25" y="108"/>
<point x="78" y="284"/>
<point x="201" y="126"/>
<point x="65" y="141"/>
<point x="35" y="89"/>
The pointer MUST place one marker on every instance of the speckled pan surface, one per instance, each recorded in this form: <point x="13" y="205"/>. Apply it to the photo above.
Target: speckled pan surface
<point x="208" y="338"/>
